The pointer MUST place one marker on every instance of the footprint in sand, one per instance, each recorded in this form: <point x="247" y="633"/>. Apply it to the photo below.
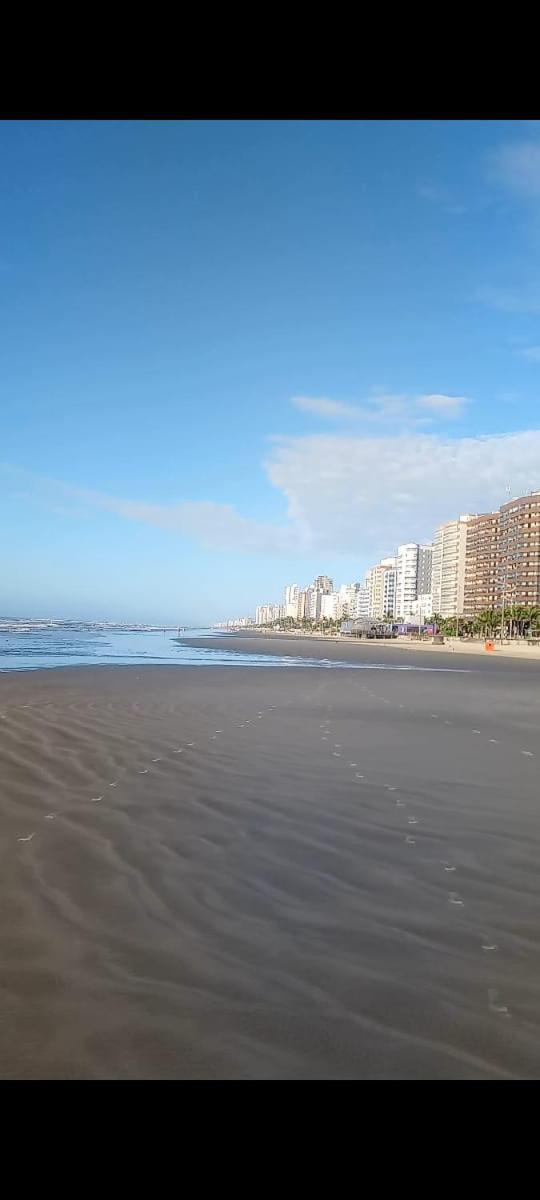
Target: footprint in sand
<point x="412" y="820"/>
<point x="96" y="799"/>
<point x="495" y="1005"/>
<point x="455" y="899"/>
<point x="410" y="841"/>
<point x="143" y="772"/>
<point x="156" y="760"/>
<point x="113" y="785"/>
<point x="50" y="816"/>
<point x="489" y="946"/>
<point x="357" y="776"/>
<point x="26" y="839"/>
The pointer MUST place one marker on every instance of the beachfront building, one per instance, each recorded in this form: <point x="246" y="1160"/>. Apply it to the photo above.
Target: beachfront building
<point x="482" y="563"/>
<point x="291" y="599"/>
<point x="448" y="578"/>
<point x="347" y="599"/>
<point x="323" y="584"/>
<point x="330" y="605"/>
<point x="518" y="575"/>
<point x="360" y="607"/>
<point x="381" y="587"/>
<point x="406" y="578"/>
<point x="424" y="569"/>
<point x="267" y="613"/>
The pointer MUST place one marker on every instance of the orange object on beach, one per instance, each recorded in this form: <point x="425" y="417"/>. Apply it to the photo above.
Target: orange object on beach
<point x="489" y="645"/>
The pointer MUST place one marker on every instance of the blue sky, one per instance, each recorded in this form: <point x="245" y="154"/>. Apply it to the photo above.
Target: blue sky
<point x="236" y="355"/>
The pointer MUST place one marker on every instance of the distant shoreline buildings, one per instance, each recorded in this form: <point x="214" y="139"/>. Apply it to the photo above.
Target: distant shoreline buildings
<point x="477" y="562"/>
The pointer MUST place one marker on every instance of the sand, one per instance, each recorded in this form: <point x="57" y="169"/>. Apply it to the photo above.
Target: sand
<point x="337" y="877"/>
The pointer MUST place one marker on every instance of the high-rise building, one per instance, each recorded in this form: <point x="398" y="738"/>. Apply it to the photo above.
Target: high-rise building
<point x="330" y="605"/>
<point x="324" y="584"/>
<point x="381" y="586"/>
<point x="448" y="579"/>
<point x="266" y="613"/>
<point x="518" y="574"/>
<point x="481" y="564"/>
<point x="361" y="604"/>
<point x="347" y="598"/>
<point x="291" y="596"/>
<point x="425" y="569"/>
<point x="406" y="578"/>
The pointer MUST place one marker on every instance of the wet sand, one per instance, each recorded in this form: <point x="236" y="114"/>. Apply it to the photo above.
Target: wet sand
<point x="270" y="873"/>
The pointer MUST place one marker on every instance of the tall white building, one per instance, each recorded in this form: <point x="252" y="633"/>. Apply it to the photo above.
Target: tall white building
<point x="361" y="604"/>
<point x="347" y="598"/>
<point x="381" y="587"/>
<point x="266" y="613"/>
<point x="330" y="606"/>
<point x="291" y="598"/>
<point x="448" y="578"/>
<point x="406" y="578"/>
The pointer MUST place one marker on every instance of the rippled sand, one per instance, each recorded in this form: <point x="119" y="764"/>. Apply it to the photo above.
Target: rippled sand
<point x="261" y="873"/>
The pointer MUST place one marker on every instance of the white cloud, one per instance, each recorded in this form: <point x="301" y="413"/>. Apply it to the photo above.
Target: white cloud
<point x="451" y="406"/>
<point x="357" y="495"/>
<point x="407" y="409"/>
<point x="322" y="407"/>
<point x="364" y="495"/>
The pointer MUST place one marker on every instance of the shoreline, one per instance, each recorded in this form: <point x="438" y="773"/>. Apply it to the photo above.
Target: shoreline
<point x="400" y="643"/>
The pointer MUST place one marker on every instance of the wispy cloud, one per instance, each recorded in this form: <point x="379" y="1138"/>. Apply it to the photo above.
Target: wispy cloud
<point x="517" y="166"/>
<point x="450" y="406"/>
<point x="400" y="406"/>
<point x="343" y="494"/>
<point x="322" y="407"/>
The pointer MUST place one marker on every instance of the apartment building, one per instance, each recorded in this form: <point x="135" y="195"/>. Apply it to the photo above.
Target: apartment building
<point x="406" y="578"/>
<point x="381" y="587"/>
<point x="518" y="552"/>
<point x="482" y="564"/>
<point x="266" y="613"/>
<point x="291" y="599"/>
<point x="448" y="576"/>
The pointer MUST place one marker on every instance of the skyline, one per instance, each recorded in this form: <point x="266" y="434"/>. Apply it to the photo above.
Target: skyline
<point x="233" y="351"/>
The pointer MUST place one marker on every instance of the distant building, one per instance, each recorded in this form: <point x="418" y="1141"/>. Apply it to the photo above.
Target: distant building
<point x="502" y="562"/>
<point x="324" y="584"/>
<point x="425" y="569"/>
<point x="406" y="578"/>
<point x="482" y="562"/>
<point x="347" y="598"/>
<point x="267" y="613"/>
<point x="330" y="605"/>
<point x="361" y="604"/>
<point x="381" y="587"/>
<point x="448" y="579"/>
<point x="291" y="597"/>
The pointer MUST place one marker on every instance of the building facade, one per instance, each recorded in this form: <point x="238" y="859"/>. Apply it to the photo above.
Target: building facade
<point x="291" y="598"/>
<point x="266" y="613"/>
<point x="425" y="569"/>
<point x="481" y="564"/>
<point x="448" y="577"/>
<point x="518" y="566"/>
<point x="324" y="584"/>
<point x="380" y="584"/>
<point x="406" y="578"/>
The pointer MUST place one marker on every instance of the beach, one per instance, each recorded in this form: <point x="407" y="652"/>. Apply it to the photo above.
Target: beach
<point x="271" y="872"/>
